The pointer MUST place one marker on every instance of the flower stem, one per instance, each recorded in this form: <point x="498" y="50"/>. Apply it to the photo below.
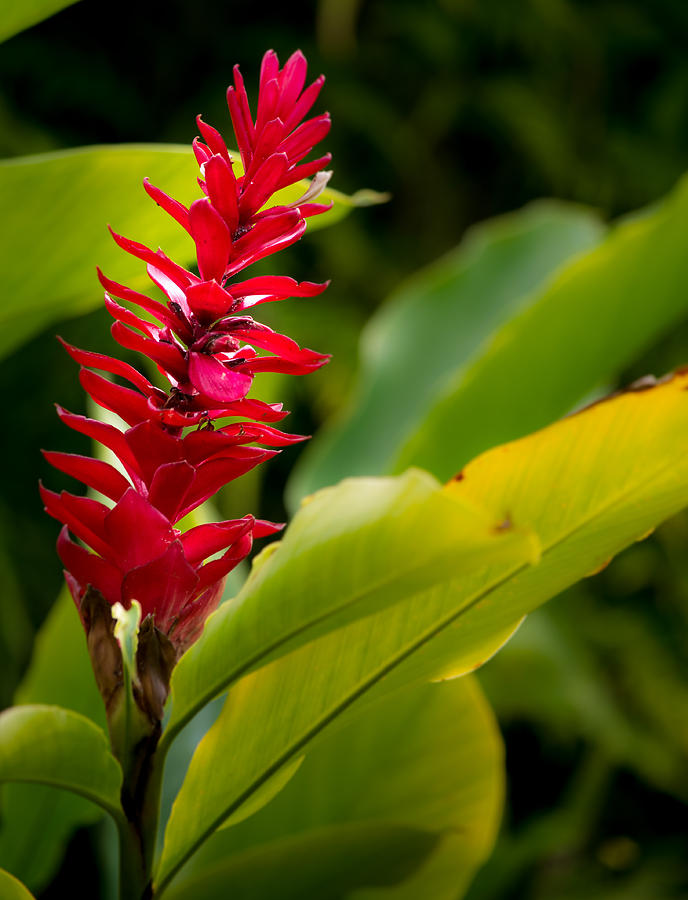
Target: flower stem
<point x="141" y="804"/>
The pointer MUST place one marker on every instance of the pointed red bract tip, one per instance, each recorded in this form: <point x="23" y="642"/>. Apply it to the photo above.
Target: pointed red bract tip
<point x="172" y="446"/>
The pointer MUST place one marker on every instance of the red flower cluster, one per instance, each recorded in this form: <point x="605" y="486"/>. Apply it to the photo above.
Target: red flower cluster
<point x="174" y="455"/>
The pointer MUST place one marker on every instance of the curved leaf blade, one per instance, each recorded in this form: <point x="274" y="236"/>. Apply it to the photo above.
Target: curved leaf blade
<point x="12" y="889"/>
<point x="582" y="490"/>
<point x="325" y="862"/>
<point x="428" y="764"/>
<point x="300" y="588"/>
<point x="571" y="335"/>
<point x="60" y="674"/>
<point x="593" y="319"/>
<point x="58" y="747"/>
<point x="15" y="17"/>
<point x="458" y="303"/>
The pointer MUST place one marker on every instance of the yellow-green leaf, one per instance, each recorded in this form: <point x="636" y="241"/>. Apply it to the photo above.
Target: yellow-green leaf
<point x="578" y="491"/>
<point x="350" y="551"/>
<point x="421" y="774"/>
<point x="12" y="889"/>
<point x="58" y="747"/>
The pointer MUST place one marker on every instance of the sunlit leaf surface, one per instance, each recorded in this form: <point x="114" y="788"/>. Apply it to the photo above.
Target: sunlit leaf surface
<point x="576" y="493"/>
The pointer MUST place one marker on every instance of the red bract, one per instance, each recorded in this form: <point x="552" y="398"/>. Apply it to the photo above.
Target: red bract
<point x="174" y="451"/>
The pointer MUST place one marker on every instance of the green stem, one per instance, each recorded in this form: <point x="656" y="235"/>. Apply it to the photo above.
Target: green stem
<point x="141" y="803"/>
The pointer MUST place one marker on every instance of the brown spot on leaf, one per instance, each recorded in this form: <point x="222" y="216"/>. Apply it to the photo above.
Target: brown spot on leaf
<point x="505" y="525"/>
<point x="459" y="476"/>
<point x="639" y="386"/>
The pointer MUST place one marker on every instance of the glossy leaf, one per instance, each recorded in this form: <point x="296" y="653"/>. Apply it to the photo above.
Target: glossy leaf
<point x="578" y="491"/>
<point x="60" y="673"/>
<point x="58" y="747"/>
<point x="15" y="17"/>
<point x="12" y="889"/>
<point x="556" y="342"/>
<point x="418" y="779"/>
<point x="47" y="273"/>
<point x="340" y="560"/>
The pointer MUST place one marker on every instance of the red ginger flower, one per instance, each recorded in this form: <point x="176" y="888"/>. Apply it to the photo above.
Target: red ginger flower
<point x="207" y="348"/>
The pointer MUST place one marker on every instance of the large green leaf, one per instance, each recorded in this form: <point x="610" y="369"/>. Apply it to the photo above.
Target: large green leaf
<point x="16" y="16"/>
<point x="57" y="206"/>
<point x="11" y="889"/>
<point x="419" y="780"/>
<point x="37" y="820"/>
<point x="572" y="333"/>
<point x="433" y="328"/>
<point x="351" y="551"/>
<point x="579" y="491"/>
<point x="58" y="747"/>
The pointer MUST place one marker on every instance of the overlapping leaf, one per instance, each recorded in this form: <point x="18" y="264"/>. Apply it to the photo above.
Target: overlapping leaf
<point x="349" y="552"/>
<point x="37" y="820"/>
<point x="58" y="747"/>
<point x="577" y="492"/>
<point x="485" y="346"/>
<point x="432" y="330"/>
<point x="408" y="793"/>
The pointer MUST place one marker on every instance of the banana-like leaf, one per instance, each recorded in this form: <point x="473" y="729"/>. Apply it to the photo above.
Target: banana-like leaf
<point x="12" y="889"/>
<point x="56" y="208"/>
<point x="349" y="552"/>
<point x="38" y="820"/>
<point x="458" y="303"/>
<point x="579" y="491"/>
<point x="58" y="747"/>
<point x="558" y="341"/>
<point x="15" y="17"/>
<point x="418" y="780"/>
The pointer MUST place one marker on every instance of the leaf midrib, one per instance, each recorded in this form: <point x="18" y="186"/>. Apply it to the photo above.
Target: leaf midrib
<point x="380" y="673"/>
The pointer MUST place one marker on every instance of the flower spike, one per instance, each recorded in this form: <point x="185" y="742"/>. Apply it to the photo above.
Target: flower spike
<point x="173" y="450"/>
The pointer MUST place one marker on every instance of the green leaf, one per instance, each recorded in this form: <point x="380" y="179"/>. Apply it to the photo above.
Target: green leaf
<point x="326" y="862"/>
<point x="60" y="672"/>
<point x="580" y="490"/>
<point x="571" y="335"/>
<point x="58" y="747"/>
<point x="422" y="774"/>
<point x="37" y="820"/>
<point x="15" y="17"/>
<point x="454" y="307"/>
<point x="57" y="206"/>
<point x="338" y="561"/>
<point x="11" y="888"/>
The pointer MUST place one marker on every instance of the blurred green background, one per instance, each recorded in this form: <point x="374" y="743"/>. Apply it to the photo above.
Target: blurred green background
<point x="462" y="110"/>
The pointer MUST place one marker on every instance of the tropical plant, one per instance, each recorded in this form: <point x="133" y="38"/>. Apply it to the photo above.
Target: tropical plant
<point x="320" y="732"/>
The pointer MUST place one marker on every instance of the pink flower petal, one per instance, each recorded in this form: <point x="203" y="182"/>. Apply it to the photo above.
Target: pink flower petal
<point x="107" y="435"/>
<point x="222" y="190"/>
<point x="163" y="586"/>
<point x="213" y="139"/>
<point x="204" y="540"/>
<point x="212" y="238"/>
<point x="172" y="207"/>
<point x="94" y="473"/>
<point x="208" y="301"/>
<point x="209" y="376"/>
<point x="136" y="531"/>
<point x="129" y="405"/>
<point x="169" y="488"/>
